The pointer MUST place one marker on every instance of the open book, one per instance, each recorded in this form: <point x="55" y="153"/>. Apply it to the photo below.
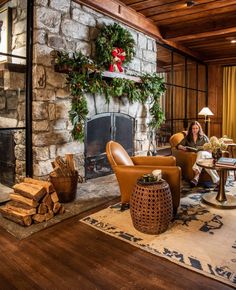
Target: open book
<point x="193" y="149"/>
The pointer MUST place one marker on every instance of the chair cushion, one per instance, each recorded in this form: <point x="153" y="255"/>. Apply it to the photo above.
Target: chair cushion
<point x="118" y="155"/>
<point x="176" y="139"/>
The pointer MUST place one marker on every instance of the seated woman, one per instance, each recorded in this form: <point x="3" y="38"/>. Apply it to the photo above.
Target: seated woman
<point x="195" y="138"/>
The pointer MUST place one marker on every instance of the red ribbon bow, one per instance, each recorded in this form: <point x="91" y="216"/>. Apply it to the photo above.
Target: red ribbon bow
<point x="118" y="58"/>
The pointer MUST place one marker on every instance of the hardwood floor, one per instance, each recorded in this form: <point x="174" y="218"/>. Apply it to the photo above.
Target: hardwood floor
<point x="72" y="255"/>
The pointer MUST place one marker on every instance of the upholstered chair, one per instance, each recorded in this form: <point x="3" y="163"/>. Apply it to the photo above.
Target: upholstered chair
<point x="185" y="159"/>
<point x="128" y="169"/>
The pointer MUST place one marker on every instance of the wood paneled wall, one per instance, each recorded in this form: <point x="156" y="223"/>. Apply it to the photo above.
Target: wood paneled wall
<point x="215" y="97"/>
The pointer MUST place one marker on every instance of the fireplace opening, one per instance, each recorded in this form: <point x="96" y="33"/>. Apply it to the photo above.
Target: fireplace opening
<point x="7" y="158"/>
<point x="98" y="131"/>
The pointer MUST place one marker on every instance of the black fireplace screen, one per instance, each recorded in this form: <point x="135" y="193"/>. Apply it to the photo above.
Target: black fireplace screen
<point x="7" y="157"/>
<point x="98" y="131"/>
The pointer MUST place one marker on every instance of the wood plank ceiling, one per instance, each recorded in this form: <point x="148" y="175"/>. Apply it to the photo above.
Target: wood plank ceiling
<point x="207" y="28"/>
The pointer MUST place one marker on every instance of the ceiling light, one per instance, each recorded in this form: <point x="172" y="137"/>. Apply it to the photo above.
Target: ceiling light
<point x="233" y="41"/>
<point x="190" y="3"/>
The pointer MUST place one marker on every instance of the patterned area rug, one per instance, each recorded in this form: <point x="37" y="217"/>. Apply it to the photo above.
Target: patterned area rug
<point x="201" y="238"/>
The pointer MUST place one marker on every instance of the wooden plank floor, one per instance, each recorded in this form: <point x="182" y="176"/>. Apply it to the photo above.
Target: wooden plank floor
<point x="72" y="255"/>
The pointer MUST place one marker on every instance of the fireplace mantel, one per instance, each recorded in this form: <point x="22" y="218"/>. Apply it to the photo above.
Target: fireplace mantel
<point x="105" y="74"/>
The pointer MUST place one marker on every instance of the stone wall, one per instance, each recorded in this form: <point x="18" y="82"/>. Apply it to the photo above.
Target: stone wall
<point x="65" y="25"/>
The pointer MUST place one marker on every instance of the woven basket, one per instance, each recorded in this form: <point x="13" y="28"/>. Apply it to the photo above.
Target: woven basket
<point x="151" y="207"/>
<point x="65" y="187"/>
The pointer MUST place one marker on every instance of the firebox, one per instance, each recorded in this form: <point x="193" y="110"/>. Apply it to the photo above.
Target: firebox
<point x="7" y="157"/>
<point x="98" y="131"/>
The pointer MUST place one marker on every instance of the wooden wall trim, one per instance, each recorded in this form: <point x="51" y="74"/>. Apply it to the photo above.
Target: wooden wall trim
<point x="118" y="10"/>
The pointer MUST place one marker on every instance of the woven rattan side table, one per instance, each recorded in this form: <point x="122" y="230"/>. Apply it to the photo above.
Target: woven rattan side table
<point x="151" y="207"/>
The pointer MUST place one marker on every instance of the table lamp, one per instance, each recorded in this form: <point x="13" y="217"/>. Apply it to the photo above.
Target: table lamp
<point x="205" y="111"/>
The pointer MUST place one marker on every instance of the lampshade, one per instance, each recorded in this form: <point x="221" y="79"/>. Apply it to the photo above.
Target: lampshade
<point x="205" y="112"/>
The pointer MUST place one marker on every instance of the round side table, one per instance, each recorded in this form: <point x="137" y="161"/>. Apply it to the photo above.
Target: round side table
<point x="151" y="207"/>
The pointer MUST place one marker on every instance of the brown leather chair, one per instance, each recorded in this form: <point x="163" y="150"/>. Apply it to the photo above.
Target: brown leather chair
<point x="184" y="159"/>
<point x="129" y="169"/>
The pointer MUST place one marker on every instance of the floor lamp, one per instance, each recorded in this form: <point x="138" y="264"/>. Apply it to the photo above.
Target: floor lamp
<point x="206" y="112"/>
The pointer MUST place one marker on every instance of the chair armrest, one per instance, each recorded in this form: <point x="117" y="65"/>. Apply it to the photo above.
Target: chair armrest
<point x="154" y="160"/>
<point x="127" y="177"/>
<point x="185" y="160"/>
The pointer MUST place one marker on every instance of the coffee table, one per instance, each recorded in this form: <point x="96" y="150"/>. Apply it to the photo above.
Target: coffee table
<point x="219" y="199"/>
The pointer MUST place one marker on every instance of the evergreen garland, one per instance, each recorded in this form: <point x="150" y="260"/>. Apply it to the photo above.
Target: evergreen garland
<point x="84" y="76"/>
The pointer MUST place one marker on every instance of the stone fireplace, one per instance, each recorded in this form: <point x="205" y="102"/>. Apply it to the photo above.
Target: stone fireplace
<point x="66" y="25"/>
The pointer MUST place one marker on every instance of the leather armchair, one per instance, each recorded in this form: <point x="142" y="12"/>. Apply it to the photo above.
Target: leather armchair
<point x="184" y="159"/>
<point x="128" y="169"/>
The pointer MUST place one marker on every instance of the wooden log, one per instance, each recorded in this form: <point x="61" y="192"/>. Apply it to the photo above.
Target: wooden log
<point x="70" y="162"/>
<point x="62" y="165"/>
<point x="49" y="215"/>
<point x="42" y="208"/>
<point x="38" y="218"/>
<point x="54" y="197"/>
<point x="33" y="191"/>
<point x="48" y="201"/>
<point x="20" y="204"/>
<point x="20" y="218"/>
<point x="62" y="209"/>
<point x="19" y="209"/>
<point x="25" y="200"/>
<point x="56" y="207"/>
<point x="57" y="171"/>
<point x="47" y="185"/>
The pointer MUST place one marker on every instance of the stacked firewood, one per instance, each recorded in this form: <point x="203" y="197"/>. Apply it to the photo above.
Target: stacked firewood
<point x="65" y="167"/>
<point x="33" y="201"/>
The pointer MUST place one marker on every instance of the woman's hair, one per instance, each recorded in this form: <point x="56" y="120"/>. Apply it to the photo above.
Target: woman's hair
<point x="190" y="133"/>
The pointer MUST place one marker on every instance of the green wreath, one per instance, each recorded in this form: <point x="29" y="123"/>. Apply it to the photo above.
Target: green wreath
<point x="112" y="36"/>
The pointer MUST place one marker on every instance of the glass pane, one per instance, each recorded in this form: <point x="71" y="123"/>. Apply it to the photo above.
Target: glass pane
<point x="166" y="102"/>
<point x="13" y="16"/>
<point x="12" y="98"/>
<point x="163" y="134"/>
<point x="191" y="74"/>
<point x="201" y="103"/>
<point x="191" y="105"/>
<point x="164" y="63"/>
<point x="13" y="19"/>
<point x="178" y="103"/>
<point x="201" y="77"/>
<point x="178" y="126"/>
<point x="178" y="70"/>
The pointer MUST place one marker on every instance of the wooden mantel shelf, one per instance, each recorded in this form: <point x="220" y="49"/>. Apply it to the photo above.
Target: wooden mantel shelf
<point x="105" y="74"/>
<point x="109" y="74"/>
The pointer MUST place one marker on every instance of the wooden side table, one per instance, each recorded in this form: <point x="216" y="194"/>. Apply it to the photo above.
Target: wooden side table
<point x="151" y="207"/>
<point x="219" y="199"/>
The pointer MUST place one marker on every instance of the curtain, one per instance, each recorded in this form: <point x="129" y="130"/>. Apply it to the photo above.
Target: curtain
<point x="229" y="102"/>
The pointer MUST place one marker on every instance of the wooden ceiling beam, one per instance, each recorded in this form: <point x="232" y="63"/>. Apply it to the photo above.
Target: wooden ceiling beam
<point x="152" y="4"/>
<point x="173" y="17"/>
<point x="167" y="8"/>
<point x="199" y="8"/>
<point x="203" y="34"/>
<point x="223" y="61"/>
<point x="212" y="23"/>
<point x="116" y="10"/>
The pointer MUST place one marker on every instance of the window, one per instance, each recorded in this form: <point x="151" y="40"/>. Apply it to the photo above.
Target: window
<point x="186" y="94"/>
<point x="13" y="92"/>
